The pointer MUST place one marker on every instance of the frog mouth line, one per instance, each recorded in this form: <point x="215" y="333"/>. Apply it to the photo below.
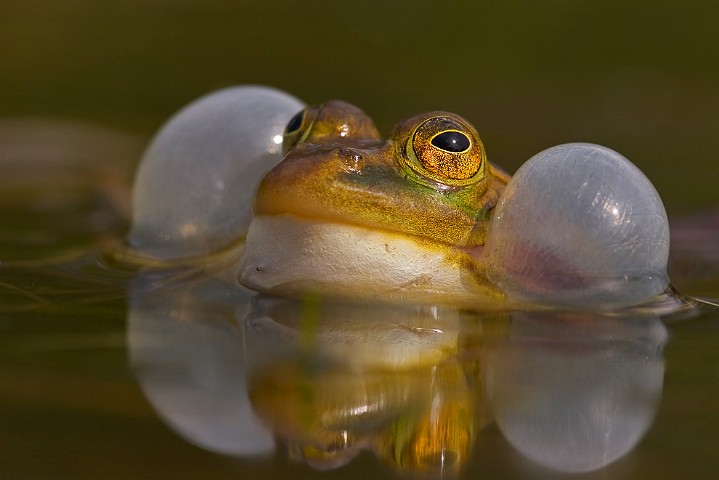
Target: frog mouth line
<point x="425" y="241"/>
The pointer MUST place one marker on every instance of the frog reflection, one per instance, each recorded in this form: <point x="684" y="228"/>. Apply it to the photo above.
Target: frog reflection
<point x="385" y="380"/>
<point x="576" y="392"/>
<point x="414" y="385"/>
<point x="186" y="352"/>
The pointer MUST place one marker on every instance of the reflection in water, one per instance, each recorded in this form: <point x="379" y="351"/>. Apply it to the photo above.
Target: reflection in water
<point x="414" y="385"/>
<point x="354" y="377"/>
<point x="436" y="438"/>
<point x="576" y="393"/>
<point x="186" y="352"/>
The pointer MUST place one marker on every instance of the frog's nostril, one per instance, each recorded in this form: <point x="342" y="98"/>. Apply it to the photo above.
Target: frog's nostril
<point x="352" y="158"/>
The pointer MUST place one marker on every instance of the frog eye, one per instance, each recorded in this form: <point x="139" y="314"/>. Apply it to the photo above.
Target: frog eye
<point x="298" y="127"/>
<point x="446" y="150"/>
<point x="451" y="141"/>
<point x="295" y="122"/>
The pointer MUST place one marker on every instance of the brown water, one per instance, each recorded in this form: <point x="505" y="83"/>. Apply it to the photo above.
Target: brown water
<point x="111" y="371"/>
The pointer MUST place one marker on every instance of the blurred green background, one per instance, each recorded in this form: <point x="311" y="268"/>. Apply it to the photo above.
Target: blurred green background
<point x="641" y="77"/>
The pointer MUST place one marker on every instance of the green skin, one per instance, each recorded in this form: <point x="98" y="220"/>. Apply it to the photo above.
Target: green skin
<point x="338" y="169"/>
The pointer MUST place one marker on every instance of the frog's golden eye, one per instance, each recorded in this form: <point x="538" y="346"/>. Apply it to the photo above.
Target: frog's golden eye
<point x="298" y="127"/>
<point x="445" y="149"/>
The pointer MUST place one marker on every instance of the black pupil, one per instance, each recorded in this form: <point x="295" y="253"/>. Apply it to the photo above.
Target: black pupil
<point x="295" y="123"/>
<point x="451" y="141"/>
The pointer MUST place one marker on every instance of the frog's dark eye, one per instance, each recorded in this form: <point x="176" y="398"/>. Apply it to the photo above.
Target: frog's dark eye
<point x="446" y="149"/>
<point x="451" y="141"/>
<point x="295" y="122"/>
<point x="298" y="127"/>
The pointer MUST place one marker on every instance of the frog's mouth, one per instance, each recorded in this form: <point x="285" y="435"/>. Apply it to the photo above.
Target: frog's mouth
<point x="286" y="254"/>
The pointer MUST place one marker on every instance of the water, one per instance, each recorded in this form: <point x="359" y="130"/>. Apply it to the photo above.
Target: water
<point x="110" y="369"/>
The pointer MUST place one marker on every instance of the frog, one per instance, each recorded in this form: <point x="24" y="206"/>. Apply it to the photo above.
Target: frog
<point x="352" y="214"/>
<point x="419" y="216"/>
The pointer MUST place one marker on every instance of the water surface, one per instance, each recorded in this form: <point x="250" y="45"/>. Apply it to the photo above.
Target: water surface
<point x="112" y="368"/>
